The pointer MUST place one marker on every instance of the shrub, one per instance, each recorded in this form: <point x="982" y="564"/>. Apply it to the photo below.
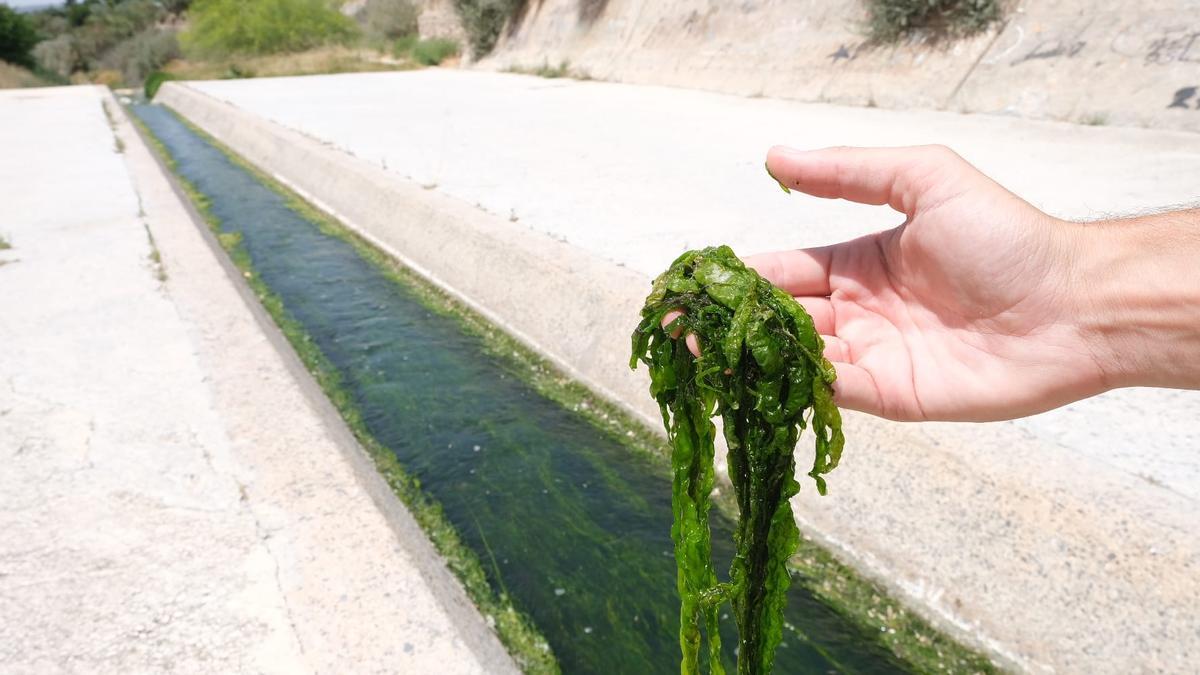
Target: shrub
<point x="107" y="26"/>
<point x="892" y="20"/>
<point x="79" y="12"/>
<point x="95" y="37"/>
<point x="484" y="19"/>
<point x="142" y="54"/>
<point x="58" y="56"/>
<point x="433" y="51"/>
<point x="175" y="6"/>
<point x="390" y="19"/>
<point x="402" y="47"/>
<point x="221" y="27"/>
<point x="154" y="81"/>
<point x="17" y="37"/>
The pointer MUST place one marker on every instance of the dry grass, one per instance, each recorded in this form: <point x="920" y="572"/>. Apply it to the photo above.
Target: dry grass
<point x="16" y="77"/>
<point x="319" y="61"/>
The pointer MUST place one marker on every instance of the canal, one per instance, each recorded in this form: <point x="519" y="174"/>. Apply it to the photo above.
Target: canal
<point x="568" y="522"/>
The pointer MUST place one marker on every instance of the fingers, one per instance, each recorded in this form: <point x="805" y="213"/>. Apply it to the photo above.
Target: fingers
<point x="892" y="176"/>
<point x="836" y="349"/>
<point x="799" y="272"/>
<point x="668" y="318"/>
<point x="855" y="389"/>
<point x="693" y="343"/>
<point x="821" y="311"/>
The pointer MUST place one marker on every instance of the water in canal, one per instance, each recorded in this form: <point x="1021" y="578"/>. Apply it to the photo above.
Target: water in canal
<point x="573" y="525"/>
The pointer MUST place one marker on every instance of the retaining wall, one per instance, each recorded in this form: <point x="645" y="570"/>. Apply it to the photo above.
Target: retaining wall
<point x="1106" y="62"/>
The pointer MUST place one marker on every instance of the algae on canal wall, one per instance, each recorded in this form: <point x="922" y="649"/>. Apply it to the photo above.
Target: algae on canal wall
<point x="520" y="482"/>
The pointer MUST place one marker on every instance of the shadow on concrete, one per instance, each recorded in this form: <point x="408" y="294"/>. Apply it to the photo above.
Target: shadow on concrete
<point x="590" y="10"/>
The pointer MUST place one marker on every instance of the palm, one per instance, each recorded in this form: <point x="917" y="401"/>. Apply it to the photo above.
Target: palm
<point x="949" y="316"/>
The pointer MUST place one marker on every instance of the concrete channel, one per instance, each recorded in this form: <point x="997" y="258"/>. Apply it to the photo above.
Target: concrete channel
<point x="1086" y="564"/>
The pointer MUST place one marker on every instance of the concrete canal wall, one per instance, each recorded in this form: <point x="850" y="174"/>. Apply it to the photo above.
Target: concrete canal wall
<point x="1068" y="542"/>
<point x="1107" y="62"/>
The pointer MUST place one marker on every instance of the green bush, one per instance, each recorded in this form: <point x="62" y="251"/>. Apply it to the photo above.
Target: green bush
<point x="892" y="20"/>
<point x="223" y="27"/>
<point x="107" y="26"/>
<point x="154" y="81"/>
<point x="433" y="51"/>
<point x="58" y="56"/>
<point x="104" y="39"/>
<point x="175" y="6"/>
<point x="17" y="37"/>
<point x="403" y="46"/>
<point x="390" y="19"/>
<point x="142" y="54"/>
<point x="484" y="19"/>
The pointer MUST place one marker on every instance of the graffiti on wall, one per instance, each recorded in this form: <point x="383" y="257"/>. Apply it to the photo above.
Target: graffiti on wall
<point x="846" y="52"/>
<point x="1183" y="96"/>
<point x="1175" y="46"/>
<point x="1153" y="44"/>
<point x="1052" y="49"/>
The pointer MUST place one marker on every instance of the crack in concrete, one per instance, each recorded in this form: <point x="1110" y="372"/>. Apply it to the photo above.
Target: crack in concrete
<point x="264" y="534"/>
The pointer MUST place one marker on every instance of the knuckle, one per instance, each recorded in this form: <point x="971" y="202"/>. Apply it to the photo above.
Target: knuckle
<point x="941" y="153"/>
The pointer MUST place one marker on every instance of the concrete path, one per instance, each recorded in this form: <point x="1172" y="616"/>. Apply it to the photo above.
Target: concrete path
<point x="175" y="496"/>
<point x="1068" y="542"/>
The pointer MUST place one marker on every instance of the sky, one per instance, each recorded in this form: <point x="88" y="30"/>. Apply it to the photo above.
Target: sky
<point x="29" y="3"/>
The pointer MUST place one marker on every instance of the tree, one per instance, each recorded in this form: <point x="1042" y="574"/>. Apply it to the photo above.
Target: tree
<point x="17" y="37"/>
<point x="175" y="6"/>
<point x="223" y="27"/>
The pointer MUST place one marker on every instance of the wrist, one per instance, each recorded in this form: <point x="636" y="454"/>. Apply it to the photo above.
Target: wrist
<point x="1137" y="284"/>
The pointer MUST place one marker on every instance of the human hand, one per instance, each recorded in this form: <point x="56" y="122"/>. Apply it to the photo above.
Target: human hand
<point x="969" y="310"/>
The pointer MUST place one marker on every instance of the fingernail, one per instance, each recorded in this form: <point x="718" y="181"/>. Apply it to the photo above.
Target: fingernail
<point x="781" y="185"/>
<point x="668" y="319"/>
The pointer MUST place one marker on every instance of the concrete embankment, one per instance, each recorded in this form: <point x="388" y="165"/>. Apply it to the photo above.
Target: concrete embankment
<point x="1105" y="62"/>
<point x="1064" y="542"/>
<point x="177" y="495"/>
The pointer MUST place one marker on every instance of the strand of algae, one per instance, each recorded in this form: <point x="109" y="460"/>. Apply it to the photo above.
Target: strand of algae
<point x="762" y="371"/>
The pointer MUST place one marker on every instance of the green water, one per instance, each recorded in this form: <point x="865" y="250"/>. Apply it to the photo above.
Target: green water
<point x="573" y="525"/>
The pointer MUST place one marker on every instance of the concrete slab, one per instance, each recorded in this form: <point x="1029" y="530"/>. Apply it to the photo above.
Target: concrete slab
<point x="581" y="191"/>
<point x="176" y="496"/>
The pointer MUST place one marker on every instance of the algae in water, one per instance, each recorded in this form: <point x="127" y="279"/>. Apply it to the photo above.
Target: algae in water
<point x="762" y="370"/>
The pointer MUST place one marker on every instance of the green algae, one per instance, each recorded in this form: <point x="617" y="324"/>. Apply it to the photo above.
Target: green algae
<point x="763" y="372"/>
